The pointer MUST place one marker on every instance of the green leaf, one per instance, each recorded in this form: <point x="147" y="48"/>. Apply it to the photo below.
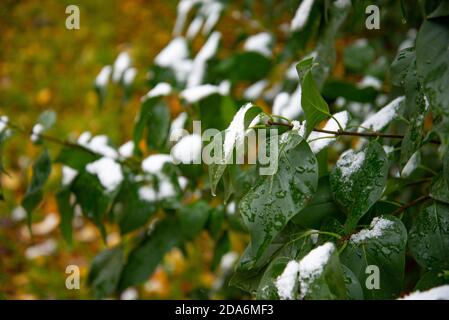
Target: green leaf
<point x="441" y="11"/>
<point x="76" y="158"/>
<point x="358" y="57"/>
<point x="382" y="245"/>
<point x="403" y="63"/>
<point x="245" y="66"/>
<point x="134" y="212"/>
<point x="446" y="166"/>
<point x="333" y="89"/>
<point x="314" y="106"/>
<point x="440" y="190"/>
<point x="354" y="290"/>
<point x="104" y="274"/>
<point x="326" y="281"/>
<point x="414" y="135"/>
<point x="431" y="279"/>
<point x="319" y="209"/>
<point x="267" y="289"/>
<point x="66" y="212"/>
<point x="358" y="179"/>
<point x="275" y="199"/>
<point x="33" y="195"/>
<point x="222" y="246"/>
<point x="216" y="220"/>
<point x="432" y="59"/>
<point x="91" y="197"/>
<point x="155" y="116"/>
<point x="235" y="133"/>
<point x="429" y="237"/>
<point x="146" y="256"/>
<point x="290" y="243"/>
<point x="193" y="218"/>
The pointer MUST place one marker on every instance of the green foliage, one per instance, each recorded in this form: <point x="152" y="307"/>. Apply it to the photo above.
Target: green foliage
<point x="314" y="197"/>
<point x="34" y="194"/>
<point x="358" y="180"/>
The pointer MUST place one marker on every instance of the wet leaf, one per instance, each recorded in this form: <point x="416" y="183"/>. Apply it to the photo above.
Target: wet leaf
<point x="276" y="198"/>
<point x="429" y="237"/>
<point x="358" y="179"/>
<point x="382" y="247"/>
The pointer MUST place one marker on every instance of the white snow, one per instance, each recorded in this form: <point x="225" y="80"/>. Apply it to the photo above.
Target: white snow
<point x="259" y="43"/>
<point x="194" y="27"/>
<point x="84" y="138"/>
<point x="291" y="73"/>
<point x="177" y="125"/>
<point x="161" y="89"/>
<point x="301" y="15"/>
<point x="231" y="208"/>
<point x="108" y="172"/>
<point x="103" y="76"/>
<point x="98" y="144"/>
<point x="176" y="57"/>
<point x="255" y="90"/>
<point x="376" y="229"/>
<point x="350" y="162"/>
<point x="187" y="150"/>
<point x="370" y="81"/>
<point x="411" y="165"/>
<point x="235" y="133"/>
<point x="228" y="260"/>
<point x="68" y="175"/>
<point x="18" y="214"/>
<point x="147" y="193"/>
<point x="199" y="63"/>
<point x="129" y="75"/>
<point x="175" y="51"/>
<point x="37" y="130"/>
<point x="212" y="11"/>
<point x="129" y="294"/>
<point x="325" y="139"/>
<point x="438" y="293"/>
<point x="150" y="194"/>
<point x="312" y="265"/>
<point x="184" y="7"/>
<point x="296" y="125"/>
<point x="287" y="105"/>
<point x="3" y="123"/>
<point x="122" y="63"/>
<point x="154" y="163"/>
<point x="45" y="248"/>
<point x="195" y="94"/>
<point x="286" y="282"/>
<point x="126" y="150"/>
<point x="383" y="117"/>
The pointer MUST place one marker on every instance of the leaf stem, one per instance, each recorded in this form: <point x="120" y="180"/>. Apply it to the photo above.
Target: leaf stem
<point x="411" y="204"/>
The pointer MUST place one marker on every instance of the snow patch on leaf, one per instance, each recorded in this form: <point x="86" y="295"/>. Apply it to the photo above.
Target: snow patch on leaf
<point x="377" y="227"/>
<point x="286" y="282"/>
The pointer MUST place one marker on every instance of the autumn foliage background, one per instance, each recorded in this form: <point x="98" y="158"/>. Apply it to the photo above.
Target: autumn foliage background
<point x="45" y="66"/>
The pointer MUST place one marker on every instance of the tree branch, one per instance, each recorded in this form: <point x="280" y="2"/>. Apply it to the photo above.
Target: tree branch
<point x="411" y="204"/>
<point x="348" y="133"/>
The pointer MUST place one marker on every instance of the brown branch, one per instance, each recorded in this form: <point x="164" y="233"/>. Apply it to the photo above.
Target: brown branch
<point x="348" y="133"/>
<point x="411" y="204"/>
<point x="65" y="143"/>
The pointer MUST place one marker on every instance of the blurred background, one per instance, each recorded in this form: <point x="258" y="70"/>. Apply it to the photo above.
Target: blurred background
<point x="44" y="66"/>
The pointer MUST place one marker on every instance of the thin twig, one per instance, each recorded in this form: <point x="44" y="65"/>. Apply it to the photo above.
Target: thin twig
<point x="65" y="143"/>
<point x="348" y="133"/>
<point x="411" y="204"/>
